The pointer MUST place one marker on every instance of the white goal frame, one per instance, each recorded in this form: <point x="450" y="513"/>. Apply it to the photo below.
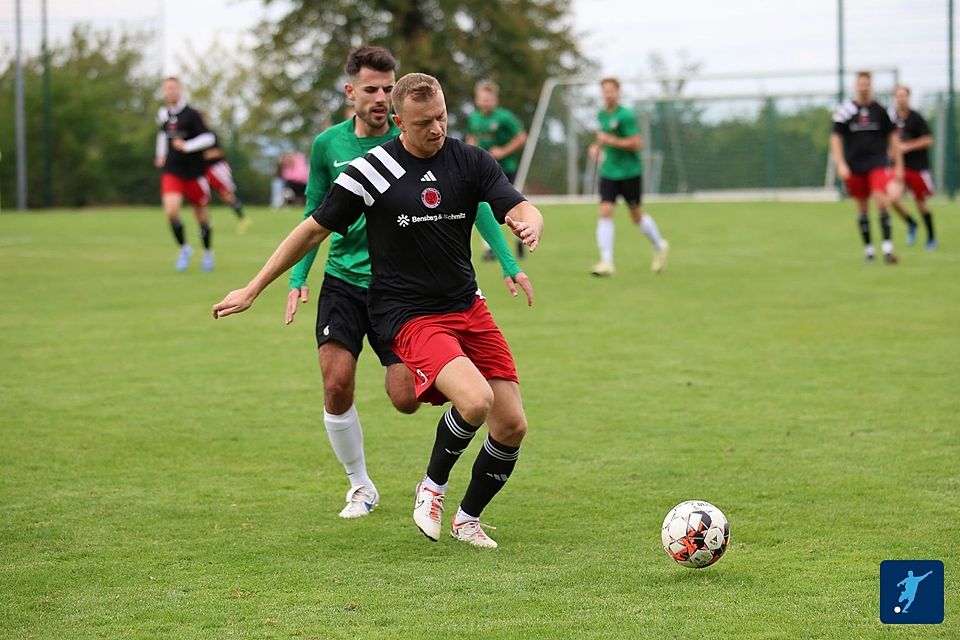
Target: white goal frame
<point x="827" y="192"/>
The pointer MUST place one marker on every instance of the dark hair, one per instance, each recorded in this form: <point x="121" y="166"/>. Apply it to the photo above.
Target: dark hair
<point x="902" y="86"/>
<point x="376" y="58"/>
<point x="864" y="74"/>
<point x="612" y="81"/>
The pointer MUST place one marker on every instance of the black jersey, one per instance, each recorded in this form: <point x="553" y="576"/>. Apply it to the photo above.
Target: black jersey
<point x="420" y="214"/>
<point x="186" y="123"/>
<point x="865" y="129"/>
<point x="911" y="127"/>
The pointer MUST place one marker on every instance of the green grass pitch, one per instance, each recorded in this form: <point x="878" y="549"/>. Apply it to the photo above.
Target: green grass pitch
<point x="165" y="475"/>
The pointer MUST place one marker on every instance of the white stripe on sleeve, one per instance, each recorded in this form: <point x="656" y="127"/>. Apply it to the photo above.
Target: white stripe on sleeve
<point x="370" y="173"/>
<point x="354" y="187"/>
<point x="392" y="165"/>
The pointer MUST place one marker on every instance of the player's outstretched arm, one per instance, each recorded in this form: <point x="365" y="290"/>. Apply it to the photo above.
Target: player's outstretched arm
<point x="305" y="236"/>
<point x="526" y="222"/>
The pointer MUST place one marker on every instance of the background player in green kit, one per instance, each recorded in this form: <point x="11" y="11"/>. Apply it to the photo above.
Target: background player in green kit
<point x="619" y="142"/>
<point x="497" y="130"/>
<point x="342" y="319"/>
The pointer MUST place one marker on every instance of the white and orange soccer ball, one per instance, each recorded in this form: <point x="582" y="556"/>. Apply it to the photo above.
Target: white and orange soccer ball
<point x="695" y="534"/>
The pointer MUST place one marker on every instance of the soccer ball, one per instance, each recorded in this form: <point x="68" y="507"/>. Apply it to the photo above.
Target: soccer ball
<point x="695" y="534"/>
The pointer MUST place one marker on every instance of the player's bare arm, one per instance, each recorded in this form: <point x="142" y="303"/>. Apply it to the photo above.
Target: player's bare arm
<point x="896" y="153"/>
<point x="511" y="147"/>
<point x="307" y="235"/>
<point x="630" y="143"/>
<point x="836" y="149"/>
<point x="923" y="142"/>
<point x="526" y="222"/>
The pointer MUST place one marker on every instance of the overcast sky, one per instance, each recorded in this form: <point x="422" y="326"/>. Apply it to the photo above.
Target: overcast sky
<point x="724" y="37"/>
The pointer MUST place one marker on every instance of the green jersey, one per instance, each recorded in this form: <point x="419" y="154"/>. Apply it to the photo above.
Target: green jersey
<point x="332" y="151"/>
<point x="349" y="255"/>
<point x="619" y="164"/>
<point x="496" y="130"/>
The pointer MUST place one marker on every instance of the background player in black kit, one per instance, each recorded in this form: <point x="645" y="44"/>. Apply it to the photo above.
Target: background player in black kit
<point x="423" y="297"/>
<point x="220" y="178"/>
<point x="181" y="141"/>
<point x="915" y="140"/>
<point x="862" y="140"/>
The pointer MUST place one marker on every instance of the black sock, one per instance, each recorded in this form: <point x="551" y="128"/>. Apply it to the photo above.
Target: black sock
<point x="206" y="234"/>
<point x="910" y="220"/>
<point x="885" y="224"/>
<point x="928" y="221"/>
<point x="453" y="435"/>
<point x="493" y="467"/>
<point x="177" y="227"/>
<point x="864" y="222"/>
<point x="237" y="208"/>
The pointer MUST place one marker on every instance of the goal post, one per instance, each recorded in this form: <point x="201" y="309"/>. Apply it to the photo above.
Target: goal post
<point x="719" y="136"/>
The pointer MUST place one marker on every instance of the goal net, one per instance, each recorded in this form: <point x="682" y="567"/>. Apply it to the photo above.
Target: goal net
<point x="763" y="136"/>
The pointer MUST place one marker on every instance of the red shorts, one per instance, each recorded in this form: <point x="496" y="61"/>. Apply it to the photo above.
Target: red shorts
<point x="861" y="185"/>
<point x="220" y="177"/>
<point x="919" y="182"/>
<point x="197" y="191"/>
<point x="426" y="344"/>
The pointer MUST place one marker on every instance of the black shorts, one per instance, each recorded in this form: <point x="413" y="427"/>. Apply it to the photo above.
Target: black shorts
<point x="631" y="189"/>
<point x="342" y="317"/>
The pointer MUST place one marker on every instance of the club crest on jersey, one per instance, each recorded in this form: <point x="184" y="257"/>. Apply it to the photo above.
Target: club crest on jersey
<point x="430" y="198"/>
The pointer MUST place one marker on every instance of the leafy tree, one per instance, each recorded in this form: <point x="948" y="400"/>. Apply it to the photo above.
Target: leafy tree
<point x="517" y="43"/>
<point x="102" y="109"/>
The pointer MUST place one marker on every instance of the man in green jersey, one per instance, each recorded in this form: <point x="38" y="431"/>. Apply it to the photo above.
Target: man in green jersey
<point x="342" y="319"/>
<point x="617" y="146"/>
<point x="497" y="130"/>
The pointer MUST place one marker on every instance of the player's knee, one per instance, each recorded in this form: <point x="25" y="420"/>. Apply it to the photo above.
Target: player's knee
<point x="337" y="394"/>
<point x="404" y="401"/>
<point x="474" y="406"/>
<point x="516" y="429"/>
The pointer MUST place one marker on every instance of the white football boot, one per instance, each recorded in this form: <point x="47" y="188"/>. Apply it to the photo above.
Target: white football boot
<point x="659" y="263"/>
<point x="361" y="500"/>
<point x="427" y="509"/>
<point x="472" y="531"/>
<point x="603" y="269"/>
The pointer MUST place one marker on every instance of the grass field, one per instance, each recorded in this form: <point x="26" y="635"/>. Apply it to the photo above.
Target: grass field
<point x="163" y="475"/>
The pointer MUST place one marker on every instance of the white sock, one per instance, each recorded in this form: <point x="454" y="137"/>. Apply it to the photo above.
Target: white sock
<point x="433" y="486"/>
<point x="649" y="227"/>
<point x="887" y="247"/>
<point x="462" y="516"/>
<point x="868" y="250"/>
<point x="605" y="233"/>
<point x="346" y="438"/>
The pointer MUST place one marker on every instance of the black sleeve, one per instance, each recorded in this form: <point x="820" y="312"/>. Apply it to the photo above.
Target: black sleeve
<point x="886" y="125"/>
<point x="920" y="127"/>
<point x="494" y="186"/>
<point x="340" y="208"/>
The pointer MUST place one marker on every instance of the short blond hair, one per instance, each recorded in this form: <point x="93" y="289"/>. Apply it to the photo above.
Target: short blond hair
<point x="418" y="87"/>
<point x="487" y="85"/>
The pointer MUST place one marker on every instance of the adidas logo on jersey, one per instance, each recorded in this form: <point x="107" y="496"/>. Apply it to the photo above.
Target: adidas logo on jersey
<point x="428" y="177"/>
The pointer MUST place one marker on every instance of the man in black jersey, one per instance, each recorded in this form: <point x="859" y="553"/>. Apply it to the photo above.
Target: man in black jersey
<point x="182" y="138"/>
<point x="915" y="140"/>
<point x="420" y="194"/>
<point x="220" y="178"/>
<point x="862" y="140"/>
